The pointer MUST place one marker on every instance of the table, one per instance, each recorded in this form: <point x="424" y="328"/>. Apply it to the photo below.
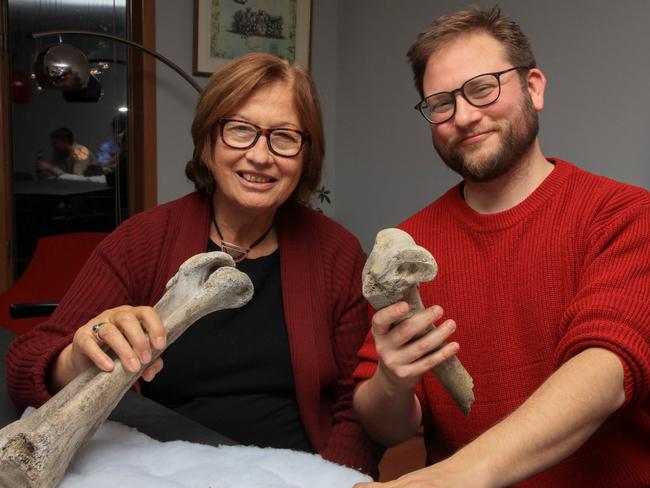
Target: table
<point x="134" y="410"/>
<point x="58" y="187"/>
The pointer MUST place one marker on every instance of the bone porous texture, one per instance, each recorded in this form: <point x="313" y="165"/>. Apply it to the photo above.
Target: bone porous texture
<point x="36" y="450"/>
<point x="395" y="268"/>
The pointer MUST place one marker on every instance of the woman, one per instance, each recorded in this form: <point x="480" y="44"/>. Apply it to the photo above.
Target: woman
<point x="276" y="372"/>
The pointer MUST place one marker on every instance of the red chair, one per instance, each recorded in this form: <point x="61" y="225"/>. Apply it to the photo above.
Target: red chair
<point x="54" y="265"/>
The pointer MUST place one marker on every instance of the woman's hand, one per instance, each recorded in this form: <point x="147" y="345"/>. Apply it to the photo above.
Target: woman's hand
<point x="407" y="350"/>
<point x="131" y="332"/>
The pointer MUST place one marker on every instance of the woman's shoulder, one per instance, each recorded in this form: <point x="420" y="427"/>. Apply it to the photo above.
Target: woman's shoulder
<point x="165" y="214"/>
<point x="159" y="220"/>
<point x="189" y="202"/>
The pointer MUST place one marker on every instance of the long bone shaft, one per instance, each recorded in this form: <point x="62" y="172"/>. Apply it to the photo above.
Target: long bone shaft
<point x="394" y="269"/>
<point x="36" y="450"/>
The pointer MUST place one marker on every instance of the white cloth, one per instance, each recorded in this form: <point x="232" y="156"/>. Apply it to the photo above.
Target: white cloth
<point x="94" y="179"/>
<point x="120" y="456"/>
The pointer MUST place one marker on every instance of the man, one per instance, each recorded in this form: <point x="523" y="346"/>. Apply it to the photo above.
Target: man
<point x="68" y="157"/>
<point x="106" y="154"/>
<point x="545" y="270"/>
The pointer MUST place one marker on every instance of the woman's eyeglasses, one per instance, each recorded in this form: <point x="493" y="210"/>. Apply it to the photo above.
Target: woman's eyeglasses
<point x="239" y="134"/>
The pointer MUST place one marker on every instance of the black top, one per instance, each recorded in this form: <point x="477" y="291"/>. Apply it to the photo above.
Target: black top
<point x="231" y="370"/>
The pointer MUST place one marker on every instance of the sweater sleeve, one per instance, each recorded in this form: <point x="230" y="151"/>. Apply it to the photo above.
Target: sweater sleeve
<point x="368" y="358"/>
<point x="348" y="443"/>
<point x="368" y="362"/>
<point x="611" y="308"/>
<point x="103" y="282"/>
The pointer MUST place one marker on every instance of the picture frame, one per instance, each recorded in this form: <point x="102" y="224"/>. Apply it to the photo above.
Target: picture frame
<point x="225" y="29"/>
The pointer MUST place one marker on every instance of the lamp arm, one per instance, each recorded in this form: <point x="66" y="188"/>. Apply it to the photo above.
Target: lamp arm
<point x="171" y="64"/>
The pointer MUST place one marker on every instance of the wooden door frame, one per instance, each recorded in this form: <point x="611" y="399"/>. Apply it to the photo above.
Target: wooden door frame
<point x="6" y="222"/>
<point x="143" y="193"/>
<point x="143" y="182"/>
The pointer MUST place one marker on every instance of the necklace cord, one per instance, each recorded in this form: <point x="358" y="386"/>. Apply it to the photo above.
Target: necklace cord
<point x="229" y="248"/>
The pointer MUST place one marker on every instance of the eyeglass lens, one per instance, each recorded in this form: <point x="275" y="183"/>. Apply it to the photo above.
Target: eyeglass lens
<point x="240" y="135"/>
<point x="480" y="91"/>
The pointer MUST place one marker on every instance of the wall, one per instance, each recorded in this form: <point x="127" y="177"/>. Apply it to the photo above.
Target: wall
<point x="380" y="163"/>
<point x="176" y="99"/>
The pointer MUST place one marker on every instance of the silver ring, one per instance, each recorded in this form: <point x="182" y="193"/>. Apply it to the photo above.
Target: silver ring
<point x="95" y="329"/>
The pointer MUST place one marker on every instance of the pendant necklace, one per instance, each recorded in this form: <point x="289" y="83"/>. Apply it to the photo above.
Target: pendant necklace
<point x="237" y="253"/>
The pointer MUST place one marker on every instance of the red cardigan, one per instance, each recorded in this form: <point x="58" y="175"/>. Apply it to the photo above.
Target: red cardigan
<point x="565" y="270"/>
<point x="325" y="313"/>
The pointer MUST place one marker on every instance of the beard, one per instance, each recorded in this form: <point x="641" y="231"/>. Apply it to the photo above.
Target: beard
<point x="517" y="136"/>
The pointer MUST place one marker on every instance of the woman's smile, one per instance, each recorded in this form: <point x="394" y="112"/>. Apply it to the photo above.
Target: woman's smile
<point x="255" y="178"/>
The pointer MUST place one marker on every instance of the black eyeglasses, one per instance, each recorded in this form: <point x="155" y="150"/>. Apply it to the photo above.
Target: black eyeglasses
<point x="239" y="134"/>
<point x="479" y="91"/>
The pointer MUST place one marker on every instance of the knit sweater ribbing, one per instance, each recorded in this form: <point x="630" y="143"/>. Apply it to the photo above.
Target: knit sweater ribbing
<point x="565" y="270"/>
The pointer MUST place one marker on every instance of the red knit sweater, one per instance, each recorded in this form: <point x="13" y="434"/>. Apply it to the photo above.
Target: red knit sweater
<point x="565" y="270"/>
<point x="325" y="314"/>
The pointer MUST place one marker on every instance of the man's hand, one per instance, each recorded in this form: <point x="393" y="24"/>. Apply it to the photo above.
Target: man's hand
<point x="386" y="403"/>
<point x="47" y="167"/>
<point x="441" y="475"/>
<point x="410" y="348"/>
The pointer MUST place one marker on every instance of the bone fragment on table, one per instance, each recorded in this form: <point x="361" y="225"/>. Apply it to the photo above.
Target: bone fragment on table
<point x="395" y="268"/>
<point x="36" y="450"/>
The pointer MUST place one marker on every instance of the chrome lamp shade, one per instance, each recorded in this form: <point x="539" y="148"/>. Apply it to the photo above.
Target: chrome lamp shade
<point x="62" y="67"/>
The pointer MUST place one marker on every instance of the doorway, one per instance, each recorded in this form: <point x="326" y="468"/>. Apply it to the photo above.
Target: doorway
<point x="67" y="153"/>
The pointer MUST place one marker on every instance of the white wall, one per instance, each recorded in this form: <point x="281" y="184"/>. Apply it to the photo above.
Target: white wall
<point x="380" y="163"/>
<point x="323" y="67"/>
<point x="176" y="99"/>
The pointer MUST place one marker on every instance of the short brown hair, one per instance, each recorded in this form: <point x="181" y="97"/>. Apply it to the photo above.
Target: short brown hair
<point x="449" y="27"/>
<point x="62" y="134"/>
<point x="229" y="87"/>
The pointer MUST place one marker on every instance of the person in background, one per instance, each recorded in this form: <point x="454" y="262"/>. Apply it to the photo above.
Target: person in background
<point x="544" y="281"/>
<point x="108" y="149"/>
<point x="116" y="167"/>
<point x="276" y="372"/>
<point x="68" y="157"/>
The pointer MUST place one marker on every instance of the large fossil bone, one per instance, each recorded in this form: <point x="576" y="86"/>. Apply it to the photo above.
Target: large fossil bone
<point x="36" y="450"/>
<point x="395" y="268"/>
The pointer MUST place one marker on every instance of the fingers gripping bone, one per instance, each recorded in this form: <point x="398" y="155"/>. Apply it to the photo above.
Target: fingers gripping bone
<point x="36" y="450"/>
<point x="395" y="268"/>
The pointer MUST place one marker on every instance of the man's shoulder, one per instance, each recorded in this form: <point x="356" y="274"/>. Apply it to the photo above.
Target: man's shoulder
<point x="602" y="190"/>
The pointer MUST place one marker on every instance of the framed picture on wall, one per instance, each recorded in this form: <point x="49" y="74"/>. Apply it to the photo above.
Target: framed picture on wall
<point x="225" y="29"/>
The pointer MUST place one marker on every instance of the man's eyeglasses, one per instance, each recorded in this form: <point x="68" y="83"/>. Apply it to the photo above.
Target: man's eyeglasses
<point x="480" y="91"/>
<point x="239" y="134"/>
